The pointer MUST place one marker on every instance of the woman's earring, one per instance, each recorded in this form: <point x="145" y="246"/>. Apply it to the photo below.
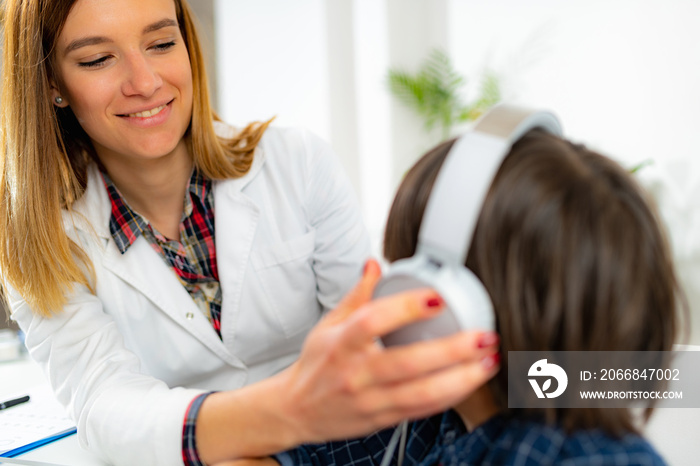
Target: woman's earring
<point x="58" y="100"/>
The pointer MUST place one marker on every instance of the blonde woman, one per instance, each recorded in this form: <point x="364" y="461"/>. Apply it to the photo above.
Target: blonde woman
<point x="167" y="268"/>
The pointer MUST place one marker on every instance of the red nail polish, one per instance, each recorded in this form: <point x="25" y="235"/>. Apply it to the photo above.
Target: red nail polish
<point x="489" y="362"/>
<point x="434" y="302"/>
<point x="487" y="339"/>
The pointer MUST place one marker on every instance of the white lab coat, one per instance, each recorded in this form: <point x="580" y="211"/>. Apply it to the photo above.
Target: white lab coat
<point x="127" y="362"/>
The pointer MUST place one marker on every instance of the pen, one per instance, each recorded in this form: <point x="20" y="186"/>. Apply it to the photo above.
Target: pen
<point x="15" y="402"/>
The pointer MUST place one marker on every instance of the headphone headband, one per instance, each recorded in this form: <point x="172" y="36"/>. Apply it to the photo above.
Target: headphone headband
<point x="465" y="177"/>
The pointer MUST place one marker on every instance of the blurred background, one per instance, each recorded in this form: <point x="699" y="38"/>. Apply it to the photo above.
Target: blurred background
<point x="621" y="74"/>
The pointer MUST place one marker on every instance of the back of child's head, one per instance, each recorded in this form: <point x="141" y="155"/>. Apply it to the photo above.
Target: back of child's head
<point x="570" y="252"/>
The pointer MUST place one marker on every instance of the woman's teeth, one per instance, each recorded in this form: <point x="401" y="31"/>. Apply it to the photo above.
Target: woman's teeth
<point x="147" y="113"/>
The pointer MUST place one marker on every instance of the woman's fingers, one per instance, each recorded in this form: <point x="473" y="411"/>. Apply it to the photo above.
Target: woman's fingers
<point x="399" y="363"/>
<point x="384" y="315"/>
<point x="374" y="366"/>
<point x="358" y="296"/>
<point x="427" y="395"/>
<point x="343" y="373"/>
<point x="393" y="365"/>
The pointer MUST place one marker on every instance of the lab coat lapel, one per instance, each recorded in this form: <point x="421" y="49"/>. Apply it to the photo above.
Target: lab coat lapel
<point x="143" y="269"/>
<point x="236" y="221"/>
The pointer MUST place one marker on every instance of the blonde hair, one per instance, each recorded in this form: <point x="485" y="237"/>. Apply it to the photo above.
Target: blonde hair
<point x="45" y="153"/>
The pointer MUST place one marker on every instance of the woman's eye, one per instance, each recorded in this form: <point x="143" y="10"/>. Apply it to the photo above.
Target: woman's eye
<point x="164" y="46"/>
<point x="94" y="63"/>
<point x="101" y="61"/>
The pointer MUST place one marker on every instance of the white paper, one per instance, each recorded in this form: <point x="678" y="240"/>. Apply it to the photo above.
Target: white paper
<point x="41" y="417"/>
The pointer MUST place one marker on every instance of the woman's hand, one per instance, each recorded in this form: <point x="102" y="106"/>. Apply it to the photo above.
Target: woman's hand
<point x="344" y="383"/>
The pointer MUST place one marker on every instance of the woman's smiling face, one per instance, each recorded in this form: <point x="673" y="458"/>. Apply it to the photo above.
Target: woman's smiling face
<point x="124" y="70"/>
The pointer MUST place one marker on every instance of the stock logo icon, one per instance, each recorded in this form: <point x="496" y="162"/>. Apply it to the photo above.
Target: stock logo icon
<point x="541" y="370"/>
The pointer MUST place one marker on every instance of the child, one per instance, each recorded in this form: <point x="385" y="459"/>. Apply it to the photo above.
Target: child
<point x="573" y="259"/>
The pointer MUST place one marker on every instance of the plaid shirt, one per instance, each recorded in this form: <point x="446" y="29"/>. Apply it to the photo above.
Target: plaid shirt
<point x="501" y="440"/>
<point x="192" y="257"/>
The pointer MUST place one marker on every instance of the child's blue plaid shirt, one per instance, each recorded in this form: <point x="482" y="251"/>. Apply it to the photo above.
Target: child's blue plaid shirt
<point x="443" y="440"/>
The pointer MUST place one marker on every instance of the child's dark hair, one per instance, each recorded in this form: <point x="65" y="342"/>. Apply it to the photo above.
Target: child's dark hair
<point x="571" y="253"/>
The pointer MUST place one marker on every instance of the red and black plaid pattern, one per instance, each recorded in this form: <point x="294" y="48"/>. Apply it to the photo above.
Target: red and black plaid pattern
<point x="190" y="456"/>
<point x="192" y="256"/>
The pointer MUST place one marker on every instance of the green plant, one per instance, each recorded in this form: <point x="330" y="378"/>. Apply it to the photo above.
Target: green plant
<point x="640" y="165"/>
<point x="434" y="92"/>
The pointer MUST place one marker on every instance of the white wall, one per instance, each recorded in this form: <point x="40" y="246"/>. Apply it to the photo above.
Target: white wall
<point x="271" y="61"/>
<point x="622" y="74"/>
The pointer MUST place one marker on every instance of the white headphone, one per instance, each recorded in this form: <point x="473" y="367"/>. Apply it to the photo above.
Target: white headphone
<point x="448" y="225"/>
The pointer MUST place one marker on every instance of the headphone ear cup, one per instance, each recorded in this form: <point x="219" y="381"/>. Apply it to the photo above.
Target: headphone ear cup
<point x="442" y="325"/>
<point x="467" y="303"/>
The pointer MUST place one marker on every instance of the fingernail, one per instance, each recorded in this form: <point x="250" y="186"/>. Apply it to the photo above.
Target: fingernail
<point x="489" y="362"/>
<point x="366" y="267"/>
<point x="434" y="303"/>
<point x="487" y="339"/>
